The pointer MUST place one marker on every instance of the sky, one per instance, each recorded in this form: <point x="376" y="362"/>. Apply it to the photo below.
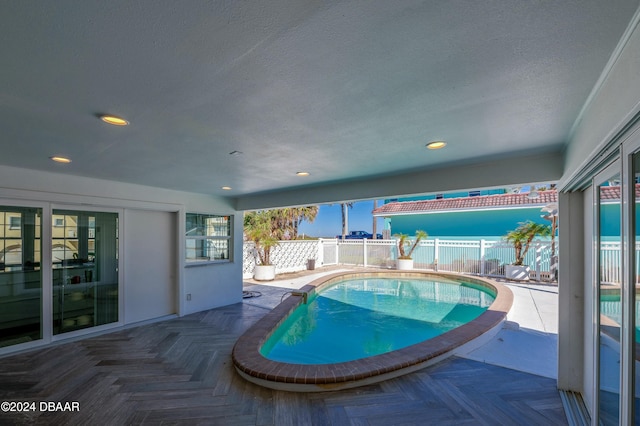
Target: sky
<point x="328" y="223"/>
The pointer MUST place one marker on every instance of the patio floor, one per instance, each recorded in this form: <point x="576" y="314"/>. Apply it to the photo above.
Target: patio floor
<point x="180" y="372"/>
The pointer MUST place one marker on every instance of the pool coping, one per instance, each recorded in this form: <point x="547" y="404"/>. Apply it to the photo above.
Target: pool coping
<point x="253" y="366"/>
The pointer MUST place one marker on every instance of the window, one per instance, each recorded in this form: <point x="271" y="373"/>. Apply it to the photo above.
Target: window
<point x="208" y="237"/>
<point x="19" y="248"/>
<point x="474" y="193"/>
<point x="14" y="222"/>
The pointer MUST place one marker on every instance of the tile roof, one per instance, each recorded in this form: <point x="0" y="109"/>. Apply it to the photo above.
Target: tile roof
<point x="481" y="202"/>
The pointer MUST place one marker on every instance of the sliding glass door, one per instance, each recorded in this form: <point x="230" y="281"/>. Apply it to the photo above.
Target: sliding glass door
<point x="608" y="292"/>
<point x="20" y="275"/>
<point x="617" y="287"/>
<point x="634" y="306"/>
<point x="84" y="254"/>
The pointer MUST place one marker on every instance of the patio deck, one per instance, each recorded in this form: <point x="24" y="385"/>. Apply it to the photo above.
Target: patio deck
<point x="180" y="372"/>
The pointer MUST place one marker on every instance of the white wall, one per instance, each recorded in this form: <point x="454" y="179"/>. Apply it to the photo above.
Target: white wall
<point x="613" y="103"/>
<point x="150" y="262"/>
<point x="209" y="285"/>
<point x="571" y="293"/>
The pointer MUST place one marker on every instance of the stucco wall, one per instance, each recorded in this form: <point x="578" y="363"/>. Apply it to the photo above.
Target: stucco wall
<point x="494" y="223"/>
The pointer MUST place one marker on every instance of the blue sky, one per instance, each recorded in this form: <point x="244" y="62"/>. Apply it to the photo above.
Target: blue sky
<point x="328" y="223"/>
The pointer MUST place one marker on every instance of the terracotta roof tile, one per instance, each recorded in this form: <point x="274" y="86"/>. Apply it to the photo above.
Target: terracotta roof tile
<point x="486" y="202"/>
<point x="468" y="203"/>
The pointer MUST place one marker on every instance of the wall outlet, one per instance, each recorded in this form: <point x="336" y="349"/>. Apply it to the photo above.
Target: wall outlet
<point x="188" y="296"/>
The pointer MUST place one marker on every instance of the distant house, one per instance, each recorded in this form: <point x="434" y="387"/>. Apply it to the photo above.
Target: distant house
<point x="468" y="216"/>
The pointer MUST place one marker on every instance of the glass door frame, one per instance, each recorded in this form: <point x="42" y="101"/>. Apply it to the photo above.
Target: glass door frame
<point x="610" y="171"/>
<point x="49" y="301"/>
<point x="45" y="274"/>
<point x="630" y="147"/>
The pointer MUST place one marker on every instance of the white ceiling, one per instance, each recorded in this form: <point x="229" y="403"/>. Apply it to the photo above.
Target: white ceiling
<point x="343" y="90"/>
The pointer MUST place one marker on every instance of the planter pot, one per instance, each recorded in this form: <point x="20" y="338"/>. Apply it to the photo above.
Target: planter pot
<point x="264" y="272"/>
<point x="405" y="264"/>
<point x="517" y="272"/>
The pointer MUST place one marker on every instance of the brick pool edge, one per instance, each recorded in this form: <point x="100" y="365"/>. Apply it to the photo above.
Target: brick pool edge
<point x="251" y="365"/>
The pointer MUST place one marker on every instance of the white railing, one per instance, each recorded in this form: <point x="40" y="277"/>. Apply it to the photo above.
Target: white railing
<point x="478" y="257"/>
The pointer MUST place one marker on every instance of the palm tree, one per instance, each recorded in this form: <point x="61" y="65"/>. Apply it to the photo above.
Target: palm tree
<point x="374" y="229"/>
<point x="259" y="228"/>
<point x="345" y="218"/>
<point x="523" y="235"/>
<point x="301" y="214"/>
<point x="404" y="243"/>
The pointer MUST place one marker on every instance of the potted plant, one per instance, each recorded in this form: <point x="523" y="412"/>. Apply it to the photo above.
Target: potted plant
<point x="521" y="238"/>
<point x="406" y="248"/>
<point x="258" y="228"/>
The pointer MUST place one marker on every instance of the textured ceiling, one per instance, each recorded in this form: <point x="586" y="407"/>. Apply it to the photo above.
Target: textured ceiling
<point x="343" y="90"/>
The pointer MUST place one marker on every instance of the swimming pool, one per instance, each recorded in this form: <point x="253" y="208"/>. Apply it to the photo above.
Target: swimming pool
<point x="253" y="350"/>
<point x="359" y="318"/>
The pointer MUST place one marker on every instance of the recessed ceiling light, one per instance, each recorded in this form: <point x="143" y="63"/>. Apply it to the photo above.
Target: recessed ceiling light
<point x="59" y="159"/>
<point x="114" y="120"/>
<point x="226" y="188"/>
<point x="436" y="144"/>
<point x="302" y="173"/>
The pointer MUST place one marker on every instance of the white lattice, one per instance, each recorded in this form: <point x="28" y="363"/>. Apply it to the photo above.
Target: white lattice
<point x="288" y="256"/>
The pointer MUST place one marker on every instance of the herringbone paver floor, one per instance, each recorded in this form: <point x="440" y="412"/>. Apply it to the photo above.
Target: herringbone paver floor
<point x="180" y="372"/>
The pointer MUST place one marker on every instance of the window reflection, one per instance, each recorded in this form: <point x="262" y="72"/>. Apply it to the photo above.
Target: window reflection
<point x="85" y="269"/>
<point x="20" y="275"/>
<point x="610" y="279"/>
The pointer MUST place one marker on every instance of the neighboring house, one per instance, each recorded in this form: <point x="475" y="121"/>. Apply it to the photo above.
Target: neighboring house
<point x="465" y="217"/>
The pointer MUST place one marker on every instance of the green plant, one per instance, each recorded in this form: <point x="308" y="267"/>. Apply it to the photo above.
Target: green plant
<point x="258" y="227"/>
<point x="522" y="237"/>
<point x="404" y="243"/>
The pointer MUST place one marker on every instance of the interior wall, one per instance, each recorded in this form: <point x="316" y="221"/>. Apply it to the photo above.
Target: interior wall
<point x="151" y="281"/>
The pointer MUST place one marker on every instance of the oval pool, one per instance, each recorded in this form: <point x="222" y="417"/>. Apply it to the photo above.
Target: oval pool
<point x="360" y="328"/>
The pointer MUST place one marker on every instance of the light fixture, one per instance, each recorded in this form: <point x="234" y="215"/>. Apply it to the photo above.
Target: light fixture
<point x="114" y="120"/>
<point x="59" y="159"/>
<point x="302" y="173"/>
<point x="226" y="188"/>
<point x="436" y="145"/>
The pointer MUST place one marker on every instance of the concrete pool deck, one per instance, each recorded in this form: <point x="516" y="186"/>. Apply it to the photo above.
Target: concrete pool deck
<point x="528" y="342"/>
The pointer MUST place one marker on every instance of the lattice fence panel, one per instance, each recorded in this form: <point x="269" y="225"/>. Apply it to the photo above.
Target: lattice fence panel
<point x="288" y="256"/>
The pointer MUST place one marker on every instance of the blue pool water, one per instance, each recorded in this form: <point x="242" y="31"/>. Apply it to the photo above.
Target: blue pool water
<point x="360" y="318"/>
